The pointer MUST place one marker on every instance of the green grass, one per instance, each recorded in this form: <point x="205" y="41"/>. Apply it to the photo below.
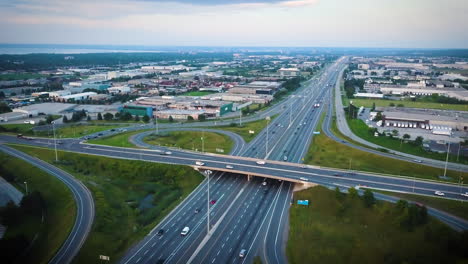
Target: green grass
<point x="326" y="152"/>
<point x="429" y="105"/>
<point x="454" y="207"/>
<point x="75" y="131"/>
<point x="192" y="140"/>
<point x="197" y="93"/>
<point x="361" y="130"/>
<point x="60" y="213"/>
<point x="118" y="188"/>
<point x="20" y="76"/>
<point x="118" y="140"/>
<point x="340" y="229"/>
<point x="243" y="130"/>
<point x="25" y="129"/>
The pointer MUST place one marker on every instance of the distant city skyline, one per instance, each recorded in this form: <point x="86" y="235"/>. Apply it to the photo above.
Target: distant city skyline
<point x="293" y="23"/>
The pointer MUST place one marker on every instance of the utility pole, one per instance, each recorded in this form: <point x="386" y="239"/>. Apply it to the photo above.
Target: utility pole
<point x="207" y="173"/>
<point x="266" y="145"/>
<point x="55" y="141"/>
<point x="446" y="159"/>
<point x="26" y="183"/>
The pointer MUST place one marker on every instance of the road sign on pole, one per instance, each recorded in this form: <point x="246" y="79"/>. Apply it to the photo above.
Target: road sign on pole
<point x="104" y="257"/>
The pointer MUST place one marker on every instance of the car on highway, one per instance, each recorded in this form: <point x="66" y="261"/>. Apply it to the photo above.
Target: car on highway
<point x="199" y="163"/>
<point x="185" y="231"/>
<point x="168" y="153"/>
<point x="160" y="232"/>
<point x="212" y="202"/>
<point x="197" y="210"/>
<point x="260" y="162"/>
<point x="303" y="179"/>
<point x="304" y="166"/>
<point x="439" y="193"/>
<point x="464" y="194"/>
<point x="285" y="158"/>
<point x="264" y="183"/>
<point x="229" y="167"/>
<point x="417" y="160"/>
<point x="242" y="253"/>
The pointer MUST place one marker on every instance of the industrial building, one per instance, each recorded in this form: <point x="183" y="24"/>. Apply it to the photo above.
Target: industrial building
<point x="79" y="96"/>
<point x="289" y="72"/>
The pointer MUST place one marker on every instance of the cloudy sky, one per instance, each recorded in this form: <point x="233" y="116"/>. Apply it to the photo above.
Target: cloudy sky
<point x="319" y="23"/>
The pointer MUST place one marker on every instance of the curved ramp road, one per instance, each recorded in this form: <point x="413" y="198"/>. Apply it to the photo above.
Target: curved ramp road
<point x="239" y="143"/>
<point x="84" y="206"/>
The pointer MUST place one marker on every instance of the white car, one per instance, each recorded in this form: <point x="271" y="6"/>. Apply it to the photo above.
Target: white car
<point x="229" y="167"/>
<point x="303" y="179"/>
<point x="264" y="183"/>
<point x="464" y="194"/>
<point x="185" y="231"/>
<point x="199" y="163"/>
<point x="261" y="162"/>
<point x="168" y="153"/>
<point x="439" y="193"/>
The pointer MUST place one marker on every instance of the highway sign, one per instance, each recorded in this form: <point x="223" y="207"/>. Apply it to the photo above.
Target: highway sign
<point x="251" y="132"/>
<point x="316" y="132"/>
<point x="303" y="202"/>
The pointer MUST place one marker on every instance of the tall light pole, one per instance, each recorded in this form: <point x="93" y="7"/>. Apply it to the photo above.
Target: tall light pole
<point x="26" y="183"/>
<point x="207" y="173"/>
<point x="266" y="145"/>
<point x="156" y="124"/>
<point x="55" y="141"/>
<point x="203" y="141"/>
<point x="446" y="159"/>
<point x="240" y="117"/>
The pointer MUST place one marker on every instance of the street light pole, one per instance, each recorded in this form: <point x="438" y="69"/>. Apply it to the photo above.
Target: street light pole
<point x="266" y="145"/>
<point x="446" y="160"/>
<point x="207" y="173"/>
<point x="240" y="117"/>
<point x="26" y="183"/>
<point x="203" y="141"/>
<point x="55" y="141"/>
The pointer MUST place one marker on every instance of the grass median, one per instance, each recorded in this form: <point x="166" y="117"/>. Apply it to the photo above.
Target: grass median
<point x="213" y="142"/>
<point x="60" y="209"/>
<point x="340" y="228"/>
<point x="130" y="196"/>
<point x="69" y="131"/>
<point x="118" y="140"/>
<point x="246" y="128"/>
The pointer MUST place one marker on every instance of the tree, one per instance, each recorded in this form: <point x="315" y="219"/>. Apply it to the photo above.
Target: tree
<point x="406" y="136"/>
<point x="353" y="192"/>
<point x="146" y="118"/>
<point x="338" y="193"/>
<point x="99" y="116"/>
<point x="391" y="104"/>
<point x="137" y="118"/>
<point x="395" y="132"/>
<point x="49" y="119"/>
<point x="419" y="141"/>
<point x="373" y="106"/>
<point x="190" y="118"/>
<point x="201" y="117"/>
<point x="65" y="119"/>
<point x="88" y="118"/>
<point x="2" y="94"/>
<point x="108" y="116"/>
<point x="171" y="119"/>
<point x="368" y="198"/>
<point x="4" y="108"/>
<point x="126" y="116"/>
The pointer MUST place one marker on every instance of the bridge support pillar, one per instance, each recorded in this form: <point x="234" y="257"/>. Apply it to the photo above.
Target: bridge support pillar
<point x="249" y="177"/>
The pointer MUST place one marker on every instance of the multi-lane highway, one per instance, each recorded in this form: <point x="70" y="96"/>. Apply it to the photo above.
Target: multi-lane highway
<point x="84" y="206"/>
<point x="251" y="215"/>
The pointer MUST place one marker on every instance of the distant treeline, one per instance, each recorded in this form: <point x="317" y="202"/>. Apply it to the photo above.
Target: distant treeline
<point x="29" y="62"/>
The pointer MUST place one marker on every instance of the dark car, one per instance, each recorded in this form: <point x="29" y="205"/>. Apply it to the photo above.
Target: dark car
<point x="197" y="210"/>
<point x="212" y="201"/>
<point x="160" y="232"/>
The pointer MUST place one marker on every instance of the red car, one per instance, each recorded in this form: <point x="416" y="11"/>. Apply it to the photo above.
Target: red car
<point x="213" y="202"/>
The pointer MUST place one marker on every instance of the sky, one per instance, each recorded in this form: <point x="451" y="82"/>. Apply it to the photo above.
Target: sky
<point x="282" y="23"/>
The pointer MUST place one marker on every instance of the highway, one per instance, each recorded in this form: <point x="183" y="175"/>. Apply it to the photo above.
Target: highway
<point x="247" y="214"/>
<point x="84" y="206"/>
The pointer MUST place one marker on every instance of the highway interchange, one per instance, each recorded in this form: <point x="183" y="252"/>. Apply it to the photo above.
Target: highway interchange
<point x="247" y="214"/>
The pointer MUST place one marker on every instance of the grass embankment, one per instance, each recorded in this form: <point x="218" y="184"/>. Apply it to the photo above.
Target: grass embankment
<point x="118" y="140"/>
<point x="71" y="131"/>
<point x="192" y="140"/>
<point x="457" y="208"/>
<point x="361" y="130"/>
<point x="427" y="105"/>
<point x="243" y="130"/>
<point x="131" y="197"/>
<point x="339" y="228"/>
<point x="60" y="209"/>
<point x="326" y="152"/>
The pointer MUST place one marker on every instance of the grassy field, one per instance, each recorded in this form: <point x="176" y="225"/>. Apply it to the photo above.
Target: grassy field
<point x="361" y="130"/>
<point x="59" y="213"/>
<point x="71" y="131"/>
<point x="192" y="140"/>
<point x="339" y="228"/>
<point x="457" y="208"/>
<point x="243" y="130"/>
<point x="197" y="93"/>
<point x="20" y="76"/>
<point x="325" y="152"/>
<point x="429" y="105"/>
<point x="119" y="140"/>
<point x="131" y="197"/>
